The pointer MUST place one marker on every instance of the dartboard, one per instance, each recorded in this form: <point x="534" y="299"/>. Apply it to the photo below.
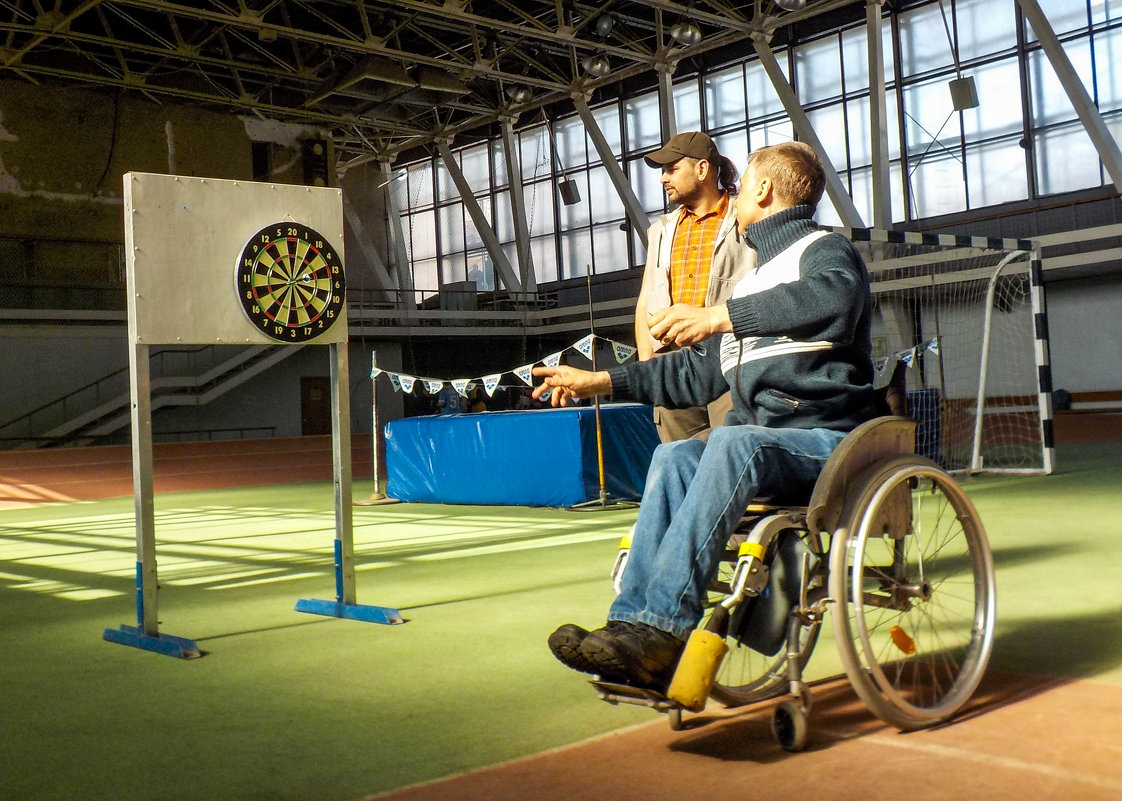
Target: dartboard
<point x="290" y="282"/>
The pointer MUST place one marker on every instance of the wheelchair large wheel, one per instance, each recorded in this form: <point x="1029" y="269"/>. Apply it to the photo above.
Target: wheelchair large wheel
<point x="747" y="676"/>
<point x="915" y="598"/>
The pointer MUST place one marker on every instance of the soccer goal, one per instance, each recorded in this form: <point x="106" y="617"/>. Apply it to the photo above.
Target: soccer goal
<point x="967" y="316"/>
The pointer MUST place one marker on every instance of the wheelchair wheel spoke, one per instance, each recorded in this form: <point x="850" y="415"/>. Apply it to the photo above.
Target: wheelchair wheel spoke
<point x="916" y="635"/>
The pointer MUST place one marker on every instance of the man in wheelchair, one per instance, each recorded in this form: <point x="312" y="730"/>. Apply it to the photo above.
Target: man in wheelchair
<point x="793" y="346"/>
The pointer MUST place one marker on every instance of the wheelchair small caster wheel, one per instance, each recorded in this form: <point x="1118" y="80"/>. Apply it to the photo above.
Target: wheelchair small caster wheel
<point x="788" y="724"/>
<point x="674" y="715"/>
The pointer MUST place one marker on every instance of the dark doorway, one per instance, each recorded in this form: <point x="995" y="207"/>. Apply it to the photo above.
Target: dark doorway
<point x="315" y="405"/>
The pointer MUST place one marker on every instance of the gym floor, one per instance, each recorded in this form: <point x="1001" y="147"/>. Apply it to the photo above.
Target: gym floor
<point x="464" y="701"/>
<point x="1022" y="738"/>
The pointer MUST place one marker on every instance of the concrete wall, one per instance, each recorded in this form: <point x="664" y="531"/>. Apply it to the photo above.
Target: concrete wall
<point x="366" y="246"/>
<point x="1085" y="327"/>
<point x="37" y="370"/>
<point x="1085" y="332"/>
<point x="272" y="399"/>
<point x="63" y="153"/>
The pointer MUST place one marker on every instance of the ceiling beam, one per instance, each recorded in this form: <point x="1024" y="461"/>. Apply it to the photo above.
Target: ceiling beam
<point x="60" y="25"/>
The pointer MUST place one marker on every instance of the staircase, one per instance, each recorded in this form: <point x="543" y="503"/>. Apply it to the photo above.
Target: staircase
<point x="101" y="417"/>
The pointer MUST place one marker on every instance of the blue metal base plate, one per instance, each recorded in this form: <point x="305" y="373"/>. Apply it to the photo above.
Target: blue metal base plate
<point x="166" y="644"/>
<point x="367" y="614"/>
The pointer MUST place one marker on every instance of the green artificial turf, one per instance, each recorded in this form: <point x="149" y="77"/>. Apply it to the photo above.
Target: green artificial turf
<point x="1057" y="543"/>
<point x="286" y="705"/>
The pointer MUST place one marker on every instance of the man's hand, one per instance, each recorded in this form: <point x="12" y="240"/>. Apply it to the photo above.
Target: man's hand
<point x="564" y="382"/>
<point x="684" y="325"/>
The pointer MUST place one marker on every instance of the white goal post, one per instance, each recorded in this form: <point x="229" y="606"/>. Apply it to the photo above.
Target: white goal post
<point x="967" y="315"/>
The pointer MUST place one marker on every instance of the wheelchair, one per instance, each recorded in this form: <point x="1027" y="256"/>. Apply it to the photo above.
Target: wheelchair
<point x="892" y="550"/>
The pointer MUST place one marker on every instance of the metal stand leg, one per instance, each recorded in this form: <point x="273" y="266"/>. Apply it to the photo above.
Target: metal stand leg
<point x="377" y="497"/>
<point x="145" y="634"/>
<point x="344" y="604"/>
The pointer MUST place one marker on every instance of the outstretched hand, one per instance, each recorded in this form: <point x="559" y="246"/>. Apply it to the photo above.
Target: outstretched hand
<point x="684" y="325"/>
<point x="563" y="383"/>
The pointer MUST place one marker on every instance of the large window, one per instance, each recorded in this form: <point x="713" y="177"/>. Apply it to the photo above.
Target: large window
<point x="1022" y="139"/>
<point x="414" y="195"/>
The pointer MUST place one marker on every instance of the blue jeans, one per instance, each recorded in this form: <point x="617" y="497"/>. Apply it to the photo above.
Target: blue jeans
<point x="695" y="495"/>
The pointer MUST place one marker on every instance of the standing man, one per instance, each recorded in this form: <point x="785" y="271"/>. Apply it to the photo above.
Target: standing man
<point x="694" y="257"/>
<point x="793" y="343"/>
<point x="448" y="401"/>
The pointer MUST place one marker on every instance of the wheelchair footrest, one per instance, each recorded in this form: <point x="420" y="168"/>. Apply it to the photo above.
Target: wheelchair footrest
<point x="626" y="694"/>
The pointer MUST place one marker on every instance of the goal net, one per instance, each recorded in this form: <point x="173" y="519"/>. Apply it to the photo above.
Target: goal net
<point x="966" y="315"/>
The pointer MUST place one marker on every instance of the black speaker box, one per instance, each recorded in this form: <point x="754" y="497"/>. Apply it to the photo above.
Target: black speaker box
<point x="570" y="192"/>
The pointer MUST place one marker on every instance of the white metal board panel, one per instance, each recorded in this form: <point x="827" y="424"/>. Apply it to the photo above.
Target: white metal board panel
<point x="184" y="244"/>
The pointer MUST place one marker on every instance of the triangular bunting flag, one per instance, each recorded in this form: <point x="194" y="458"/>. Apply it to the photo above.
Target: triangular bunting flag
<point x="907" y="356"/>
<point x="375" y="372"/>
<point x="881" y="364"/>
<point x="490" y="382"/>
<point x="553" y="359"/>
<point x="461" y="386"/>
<point x="407" y="382"/>
<point x="395" y="379"/>
<point x="585" y="345"/>
<point x="432" y="386"/>
<point x="933" y="345"/>
<point x="525" y="372"/>
<point x="623" y="352"/>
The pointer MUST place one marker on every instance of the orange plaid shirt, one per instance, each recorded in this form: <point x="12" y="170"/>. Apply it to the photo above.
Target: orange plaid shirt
<point x="692" y="254"/>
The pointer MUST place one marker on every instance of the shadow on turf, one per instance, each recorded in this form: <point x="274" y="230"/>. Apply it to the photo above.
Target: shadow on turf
<point x="599" y="582"/>
<point x="314" y="620"/>
<point x="1077" y="647"/>
<point x="1030" y="657"/>
<point x="744" y="735"/>
<point x="837" y="716"/>
<point x="264" y="629"/>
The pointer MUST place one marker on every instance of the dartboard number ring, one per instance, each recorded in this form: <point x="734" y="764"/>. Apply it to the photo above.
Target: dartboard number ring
<point x="290" y="282"/>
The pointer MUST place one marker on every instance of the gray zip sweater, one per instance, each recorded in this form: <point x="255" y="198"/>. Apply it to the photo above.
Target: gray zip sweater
<point x="799" y="353"/>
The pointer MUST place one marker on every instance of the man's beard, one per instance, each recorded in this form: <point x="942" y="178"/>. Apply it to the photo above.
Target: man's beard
<point x="687" y="198"/>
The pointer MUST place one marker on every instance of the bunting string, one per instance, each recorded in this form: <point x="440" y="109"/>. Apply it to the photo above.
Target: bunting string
<point x="907" y="356"/>
<point x="403" y="382"/>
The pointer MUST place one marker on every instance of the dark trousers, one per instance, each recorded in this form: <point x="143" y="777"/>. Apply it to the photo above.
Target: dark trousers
<point x="677" y="424"/>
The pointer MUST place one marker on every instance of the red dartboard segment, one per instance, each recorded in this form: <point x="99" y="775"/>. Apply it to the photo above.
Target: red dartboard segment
<point x="290" y="282"/>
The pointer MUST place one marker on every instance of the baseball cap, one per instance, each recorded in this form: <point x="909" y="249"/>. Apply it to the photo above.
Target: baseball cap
<point x="692" y="144"/>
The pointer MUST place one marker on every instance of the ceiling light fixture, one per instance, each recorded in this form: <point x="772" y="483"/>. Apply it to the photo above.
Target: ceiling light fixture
<point x="603" y="25"/>
<point x="597" y="66"/>
<point x="686" y="34"/>
<point x="519" y="93"/>
<point x="791" y="5"/>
